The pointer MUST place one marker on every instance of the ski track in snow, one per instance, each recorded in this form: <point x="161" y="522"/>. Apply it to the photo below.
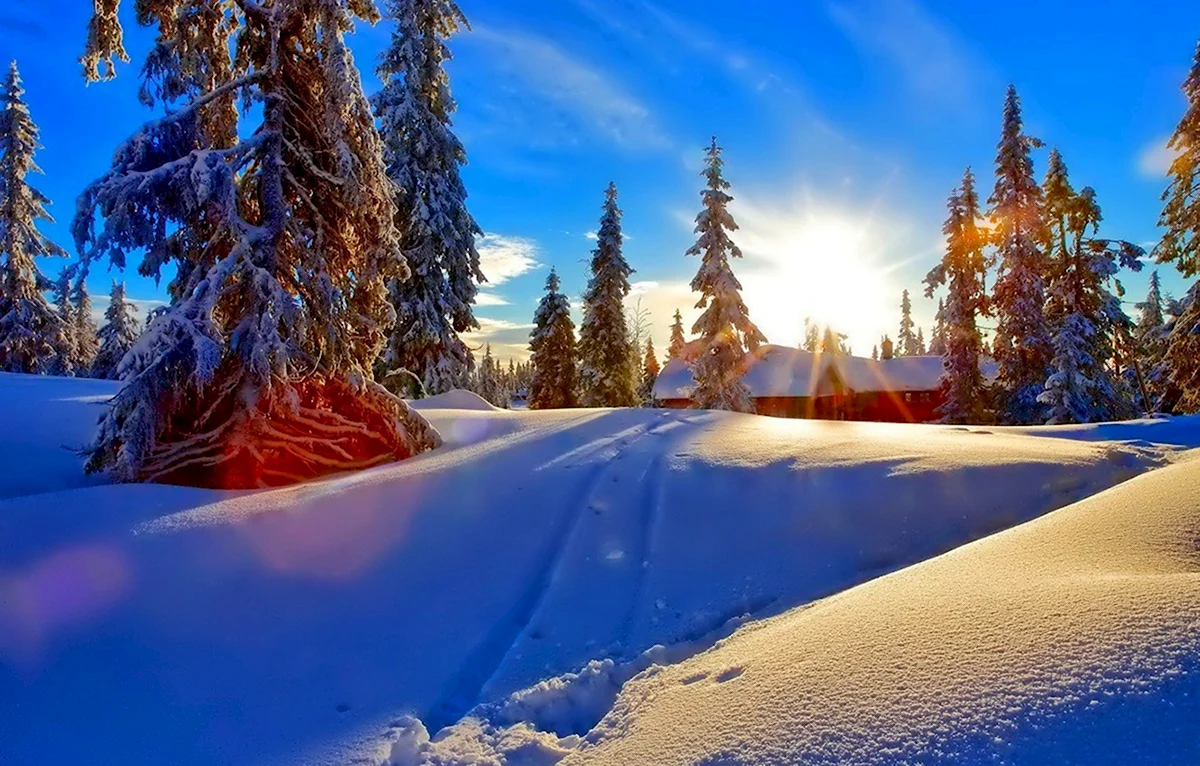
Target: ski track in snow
<point x="602" y="493"/>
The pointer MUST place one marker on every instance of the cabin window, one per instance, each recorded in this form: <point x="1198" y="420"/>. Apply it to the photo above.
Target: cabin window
<point x="908" y="397"/>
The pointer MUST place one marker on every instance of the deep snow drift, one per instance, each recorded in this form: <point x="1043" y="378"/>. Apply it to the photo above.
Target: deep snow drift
<point x="164" y="624"/>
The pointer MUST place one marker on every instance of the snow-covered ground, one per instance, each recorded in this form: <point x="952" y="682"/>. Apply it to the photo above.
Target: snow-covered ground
<point x="509" y="585"/>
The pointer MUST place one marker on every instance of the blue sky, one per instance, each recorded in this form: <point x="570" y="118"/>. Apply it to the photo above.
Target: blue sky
<point x="846" y="123"/>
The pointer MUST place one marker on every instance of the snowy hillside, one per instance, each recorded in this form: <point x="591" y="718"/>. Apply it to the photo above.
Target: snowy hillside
<point x="318" y="623"/>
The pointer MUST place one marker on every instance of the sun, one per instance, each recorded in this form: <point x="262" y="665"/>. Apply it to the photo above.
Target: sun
<point x="828" y="267"/>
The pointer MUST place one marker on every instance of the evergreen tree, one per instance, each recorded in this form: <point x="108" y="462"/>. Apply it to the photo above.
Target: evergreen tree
<point x="606" y="370"/>
<point x="437" y="233"/>
<point x="812" y="336"/>
<point x="833" y="342"/>
<point x="259" y="374"/>
<point x="1151" y="338"/>
<point x="906" y="339"/>
<point x="32" y="335"/>
<point x="553" y="381"/>
<point x="650" y="370"/>
<point x="676" y="349"/>
<point x="489" y="381"/>
<point x="1180" y="245"/>
<point x="724" y="329"/>
<point x="875" y="352"/>
<point x="1022" y="343"/>
<point x="65" y="355"/>
<point x="120" y="331"/>
<point x="1081" y="387"/>
<point x="963" y="268"/>
<point x="921" y="351"/>
<point x="937" y="343"/>
<point x="85" y="340"/>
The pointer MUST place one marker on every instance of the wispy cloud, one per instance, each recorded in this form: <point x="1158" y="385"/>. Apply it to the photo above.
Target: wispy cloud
<point x="647" y="25"/>
<point x="503" y="257"/>
<point x="490" y="299"/>
<point x="507" y="339"/>
<point x="575" y="96"/>
<point x="933" y="62"/>
<point x="1154" y="160"/>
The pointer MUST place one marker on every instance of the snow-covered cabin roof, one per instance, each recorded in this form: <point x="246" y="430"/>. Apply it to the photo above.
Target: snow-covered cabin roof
<point x="780" y="371"/>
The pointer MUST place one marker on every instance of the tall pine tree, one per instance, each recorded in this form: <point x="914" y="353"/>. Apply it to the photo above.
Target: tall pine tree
<point x="650" y="370"/>
<point x="678" y="341"/>
<point x="66" y="354"/>
<point x="437" y="233"/>
<point x="32" y="335"/>
<point x="259" y="374"/>
<point x="1151" y="340"/>
<point x="83" y="329"/>
<point x="606" y="371"/>
<point x="1022" y="343"/>
<point x="906" y="339"/>
<point x="1085" y="315"/>
<point x="1180" y="245"/>
<point x="120" y="331"/>
<point x="937" y="343"/>
<point x="724" y="329"/>
<point x="964" y="269"/>
<point x="554" y="354"/>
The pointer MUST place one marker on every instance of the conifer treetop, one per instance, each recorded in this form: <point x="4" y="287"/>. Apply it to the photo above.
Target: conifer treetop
<point x="720" y="291"/>
<point x="1180" y="216"/>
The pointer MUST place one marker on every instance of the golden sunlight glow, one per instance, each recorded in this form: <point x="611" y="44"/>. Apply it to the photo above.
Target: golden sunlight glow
<point x="827" y="267"/>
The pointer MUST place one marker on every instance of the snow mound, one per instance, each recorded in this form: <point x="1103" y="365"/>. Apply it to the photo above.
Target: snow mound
<point x="44" y="421"/>
<point x="1072" y="639"/>
<point x="517" y="577"/>
<point x="458" y="399"/>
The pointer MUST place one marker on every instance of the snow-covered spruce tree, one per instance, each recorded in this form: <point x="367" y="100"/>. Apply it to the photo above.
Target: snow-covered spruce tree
<point x="937" y="342"/>
<point x="1086" y="316"/>
<point x="1180" y="245"/>
<point x="120" y="331"/>
<point x="906" y="340"/>
<point x="834" y="342"/>
<point x="65" y="354"/>
<point x="921" y="350"/>
<point x="812" y="336"/>
<point x="964" y="269"/>
<point x="724" y="330"/>
<point x="489" y="380"/>
<point x="1151" y="338"/>
<point x="32" y="334"/>
<point x="259" y="374"/>
<point x="875" y="352"/>
<point x="606" y="371"/>
<point x="86" y="341"/>
<point x="650" y="370"/>
<point x="554" y="355"/>
<point x="437" y="233"/>
<point x="1022" y="343"/>
<point x="675" y="349"/>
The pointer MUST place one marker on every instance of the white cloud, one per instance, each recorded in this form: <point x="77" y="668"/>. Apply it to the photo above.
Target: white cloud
<point x="933" y="62"/>
<point x="592" y="235"/>
<point x="1154" y="160"/>
<point x="507" y="339"/>
<point x="503" y="257"/>
<point x="490" y="299"/>
<point x="574" y="95"/>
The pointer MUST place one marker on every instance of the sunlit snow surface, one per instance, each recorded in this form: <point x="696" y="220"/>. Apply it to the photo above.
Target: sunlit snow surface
<point x="509" y="585"/>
